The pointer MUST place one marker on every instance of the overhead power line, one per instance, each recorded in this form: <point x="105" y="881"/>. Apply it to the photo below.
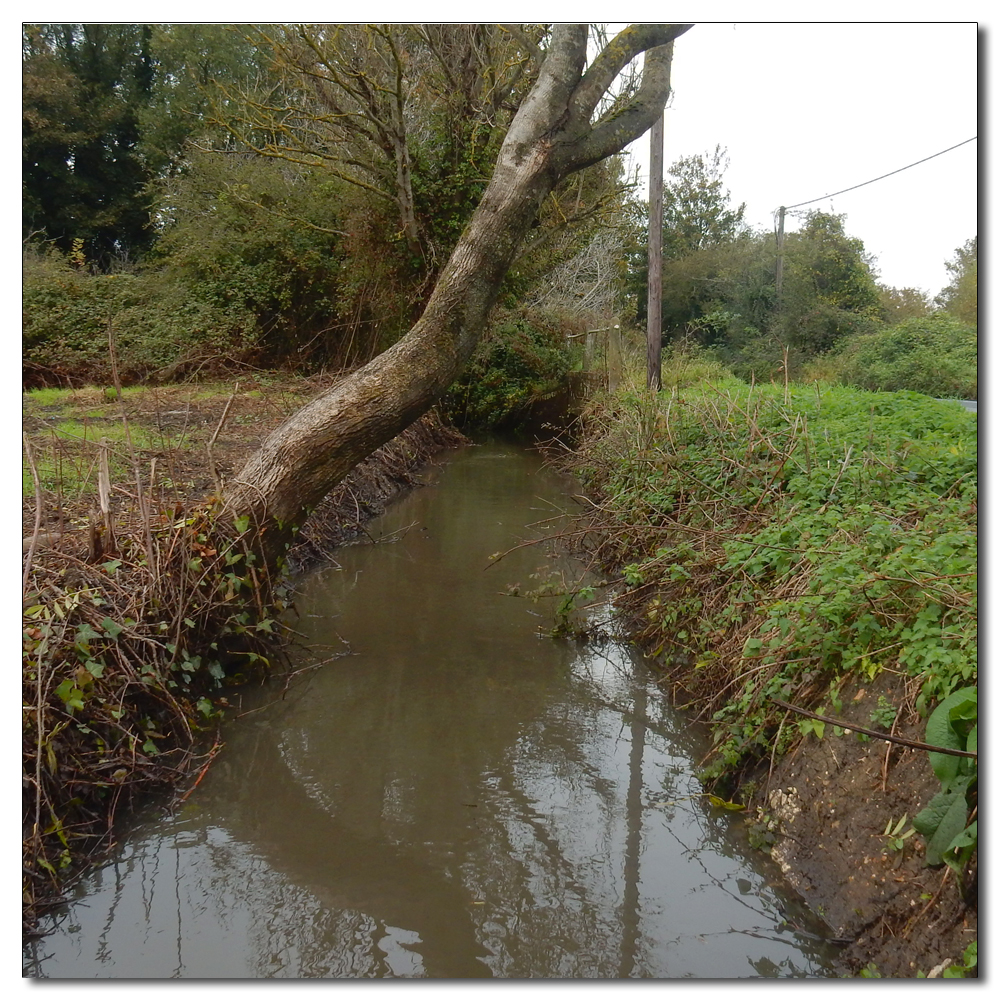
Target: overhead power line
<point x="874" y="179"/>
<point x="780" y="229"/>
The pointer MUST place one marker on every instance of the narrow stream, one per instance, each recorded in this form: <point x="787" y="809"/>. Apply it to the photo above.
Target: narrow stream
<point x="461" y="796"/>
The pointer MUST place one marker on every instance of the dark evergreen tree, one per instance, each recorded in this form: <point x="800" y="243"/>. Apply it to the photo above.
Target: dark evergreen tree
<point x="84" y="175"/>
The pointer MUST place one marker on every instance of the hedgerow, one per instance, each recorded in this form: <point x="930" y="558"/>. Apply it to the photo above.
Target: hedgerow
<point x="935" y="354"/>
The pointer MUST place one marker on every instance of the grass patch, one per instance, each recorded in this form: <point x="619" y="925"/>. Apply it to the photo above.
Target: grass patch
<point x="65" y="427"/>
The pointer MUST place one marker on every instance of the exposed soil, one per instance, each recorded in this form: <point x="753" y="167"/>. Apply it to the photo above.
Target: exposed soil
<point x="829" y="802"/>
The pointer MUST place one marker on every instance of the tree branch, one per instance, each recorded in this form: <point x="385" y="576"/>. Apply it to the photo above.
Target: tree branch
<point x="626" y="125"/>
<point x="618" y="53"/>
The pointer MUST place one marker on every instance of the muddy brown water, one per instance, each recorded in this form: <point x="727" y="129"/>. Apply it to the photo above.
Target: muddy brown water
<point x="461" y="796"/>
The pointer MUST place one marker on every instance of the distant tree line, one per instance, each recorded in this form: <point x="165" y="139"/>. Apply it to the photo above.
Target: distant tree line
<point x="832" y="319"/>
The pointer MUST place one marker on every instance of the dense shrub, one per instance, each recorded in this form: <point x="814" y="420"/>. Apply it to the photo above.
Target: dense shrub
<point x="266" y="238"/>
<point x="68" y="315"/>
<point x="256" y="261"/>
<point x="933" y="354"/>
<point x="520" y="361"/>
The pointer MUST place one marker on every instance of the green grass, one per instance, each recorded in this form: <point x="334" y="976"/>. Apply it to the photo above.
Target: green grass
<point x="65" y="426"/>
<point x="67" y="454"/>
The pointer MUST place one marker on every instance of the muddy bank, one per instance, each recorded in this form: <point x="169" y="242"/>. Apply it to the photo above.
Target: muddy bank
<point x="827" y="805"/>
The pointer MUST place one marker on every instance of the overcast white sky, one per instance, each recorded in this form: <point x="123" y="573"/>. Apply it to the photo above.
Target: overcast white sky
<point x="810" y="109"/>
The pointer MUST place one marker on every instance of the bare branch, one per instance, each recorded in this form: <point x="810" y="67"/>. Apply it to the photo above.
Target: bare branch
<point x="626" y="125"/>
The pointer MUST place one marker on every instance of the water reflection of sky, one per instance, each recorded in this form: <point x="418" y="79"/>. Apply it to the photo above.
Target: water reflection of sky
<point x="527" y="814"/>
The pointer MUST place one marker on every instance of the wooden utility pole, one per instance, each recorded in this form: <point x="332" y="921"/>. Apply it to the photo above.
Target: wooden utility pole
<point x="779" y="265"/>
<point x="614" y="358"/>
<point x="654" y="254"/>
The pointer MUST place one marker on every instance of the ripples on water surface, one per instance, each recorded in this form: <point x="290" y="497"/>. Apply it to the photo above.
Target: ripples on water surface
<point x="460" y="797"/>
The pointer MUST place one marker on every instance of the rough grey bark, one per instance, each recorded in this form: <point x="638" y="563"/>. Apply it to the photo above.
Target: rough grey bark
<point x="551" y="136"/>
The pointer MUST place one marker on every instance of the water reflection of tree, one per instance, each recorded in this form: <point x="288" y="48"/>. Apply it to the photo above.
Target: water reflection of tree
<point x="459" y="778"/>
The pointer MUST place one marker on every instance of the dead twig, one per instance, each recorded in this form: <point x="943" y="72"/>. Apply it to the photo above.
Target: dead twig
<point x="844" y="724"/>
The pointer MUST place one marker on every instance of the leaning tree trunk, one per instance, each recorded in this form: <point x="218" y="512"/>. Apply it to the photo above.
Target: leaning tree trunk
<point x="552" y="135"/>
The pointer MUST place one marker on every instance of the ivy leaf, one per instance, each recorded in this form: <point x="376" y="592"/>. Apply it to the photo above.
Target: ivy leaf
<point x="113" y="629"/>
<point x="71" y="695"/>
<point x="84" y="634"/>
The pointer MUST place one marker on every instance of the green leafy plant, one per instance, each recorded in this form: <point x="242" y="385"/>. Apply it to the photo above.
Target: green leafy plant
<point x="885" y="714"/>
<point x="895" y="837"/>
<point x="519" y="362"/>
<point x="945" y="823"/>
<point x="824" y="535"/>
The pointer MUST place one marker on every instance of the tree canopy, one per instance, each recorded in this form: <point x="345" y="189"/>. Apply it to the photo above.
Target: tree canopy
<point x="829" y="289"/>
<point x="960" y="296"/>
<point x="106" y="111"/>
<point x="697" y="210"/>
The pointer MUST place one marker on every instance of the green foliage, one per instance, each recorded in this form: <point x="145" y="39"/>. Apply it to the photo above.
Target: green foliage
<point x="935" y="354"/>
<point x="822" y="533"/>
<point x="696" y="205"/>
<point x="896" y="836"/>
<point x="699" y="227"/>
<point x="719" y="294"/>
<point x="951" y="838"/>
<point x="107" y="109"/>
<point x="68" y="315"/>
<point x="270" y="241"/>
<point x="83" y="174"/>
<point x="684" y="365"/>
<point x="898" y="304"/>
<point x="960" y="298"/>
<point x="829" y="289"/>
<point x="198" y="67"/>
<point x="519" y="362"/>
